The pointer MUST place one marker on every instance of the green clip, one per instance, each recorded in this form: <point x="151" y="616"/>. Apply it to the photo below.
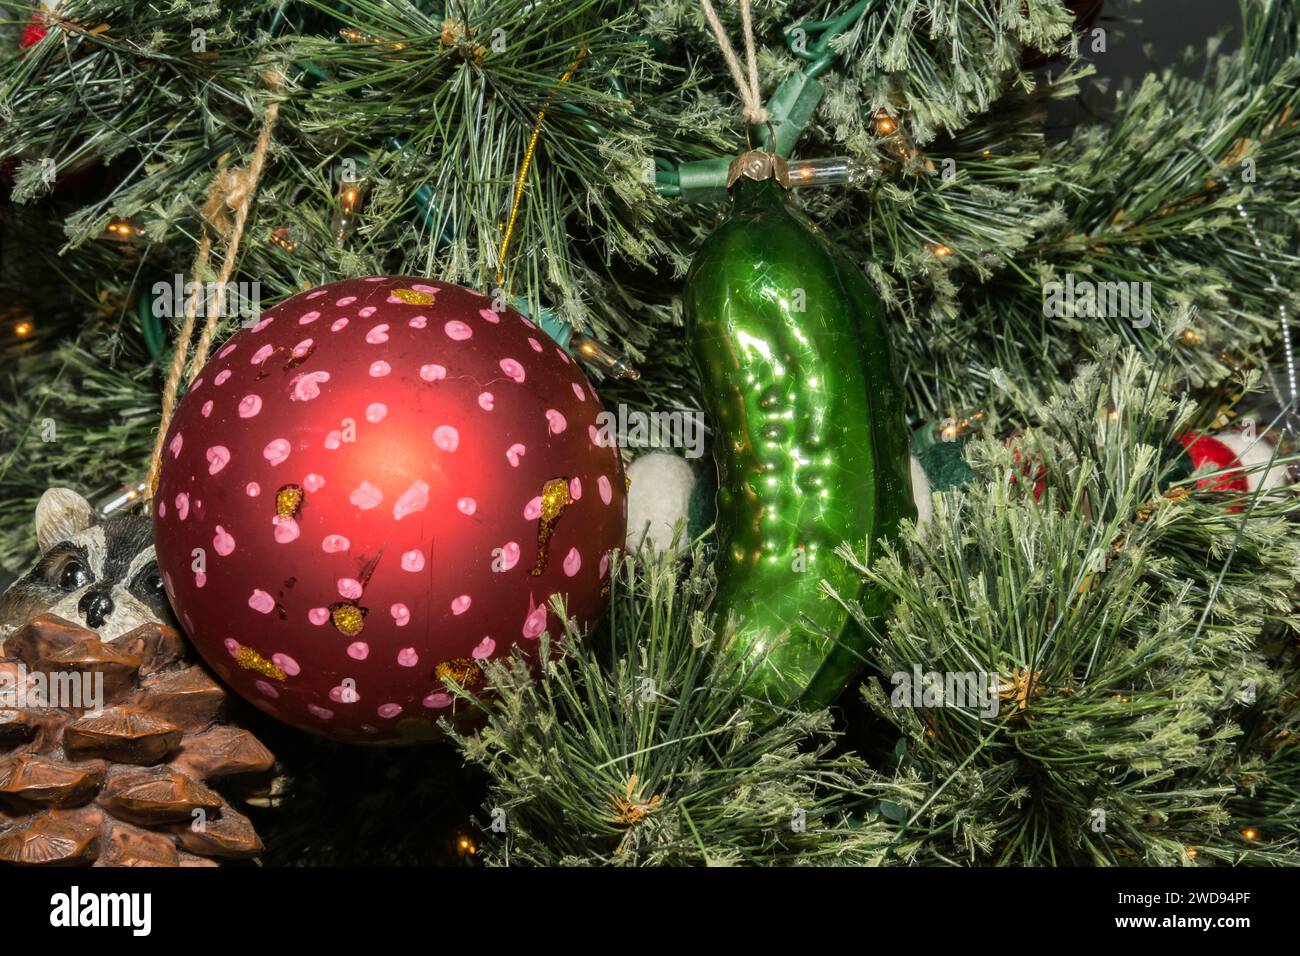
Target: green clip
<point x="792" y="107"/>
<point x="704" y="180"/>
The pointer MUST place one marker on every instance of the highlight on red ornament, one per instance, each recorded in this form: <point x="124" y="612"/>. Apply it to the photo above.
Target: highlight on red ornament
<point x="375" y="490"/>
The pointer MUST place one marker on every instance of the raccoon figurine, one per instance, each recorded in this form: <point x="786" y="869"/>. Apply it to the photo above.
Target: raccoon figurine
<point x="118" y="777"/>
<point x="102" y="575"/>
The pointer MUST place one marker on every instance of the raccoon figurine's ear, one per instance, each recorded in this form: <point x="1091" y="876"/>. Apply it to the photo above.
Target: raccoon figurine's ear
<point x="60" y="514"/>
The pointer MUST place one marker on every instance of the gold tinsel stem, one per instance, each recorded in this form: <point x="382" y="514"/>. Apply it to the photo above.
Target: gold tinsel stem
<point x="522" y="178"/>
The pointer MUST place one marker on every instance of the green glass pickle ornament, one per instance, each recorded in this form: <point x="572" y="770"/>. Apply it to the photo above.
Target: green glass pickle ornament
<point x="808" y="432"/>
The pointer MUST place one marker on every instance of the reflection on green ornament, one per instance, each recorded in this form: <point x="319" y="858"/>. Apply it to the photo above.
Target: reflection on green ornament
<point x="808" y="435"/>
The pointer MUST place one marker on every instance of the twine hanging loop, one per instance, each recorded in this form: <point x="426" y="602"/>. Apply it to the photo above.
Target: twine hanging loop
<point x="746" y="80"/>
<point x="225" y="212"/>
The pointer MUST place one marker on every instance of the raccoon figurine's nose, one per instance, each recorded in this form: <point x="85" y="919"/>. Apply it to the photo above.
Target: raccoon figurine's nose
<point x="95" y="607"/>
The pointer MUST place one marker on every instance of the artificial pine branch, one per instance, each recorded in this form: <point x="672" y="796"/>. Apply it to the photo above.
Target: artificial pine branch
<point x="636" y="747"/>
<point x="1125" y="616"/>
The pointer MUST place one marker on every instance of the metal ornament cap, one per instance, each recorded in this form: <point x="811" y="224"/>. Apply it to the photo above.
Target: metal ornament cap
<point x="758" y="165"/>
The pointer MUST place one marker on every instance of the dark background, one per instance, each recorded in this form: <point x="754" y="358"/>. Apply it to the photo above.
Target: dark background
<point x="1143" y="36"/>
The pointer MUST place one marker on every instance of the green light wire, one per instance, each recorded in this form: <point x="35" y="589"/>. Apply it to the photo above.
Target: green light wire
<point x="818" y="56"/>
<point x="151" y="329"/>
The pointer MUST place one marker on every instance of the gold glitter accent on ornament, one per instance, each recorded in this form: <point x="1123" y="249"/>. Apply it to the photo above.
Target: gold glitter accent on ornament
<point x="250" y="660"/>
<point x="348" y="618"/>
<point x="411" y="297"/>
<point x="555" y="498"/>
<point x="462" y="671"/>
<point x="262" y="370"/>
<point x="288" y="501"/>
<point x="297" y="358"/>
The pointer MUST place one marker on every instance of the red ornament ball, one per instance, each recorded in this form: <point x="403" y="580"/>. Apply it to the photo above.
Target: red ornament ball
<point x="375" y="489"/>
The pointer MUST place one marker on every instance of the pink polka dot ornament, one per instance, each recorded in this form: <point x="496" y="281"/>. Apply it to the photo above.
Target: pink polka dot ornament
<point x="374" y="490"/>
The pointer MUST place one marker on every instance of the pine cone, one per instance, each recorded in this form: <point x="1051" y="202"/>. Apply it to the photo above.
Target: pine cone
<point x="127" y="785"/>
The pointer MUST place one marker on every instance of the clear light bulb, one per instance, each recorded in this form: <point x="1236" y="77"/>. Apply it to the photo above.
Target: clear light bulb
<point x="829" y="171"/>
<point x="597" y="353"/>
<point x="121" y="499"/>
<point x="348" y="202"/>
